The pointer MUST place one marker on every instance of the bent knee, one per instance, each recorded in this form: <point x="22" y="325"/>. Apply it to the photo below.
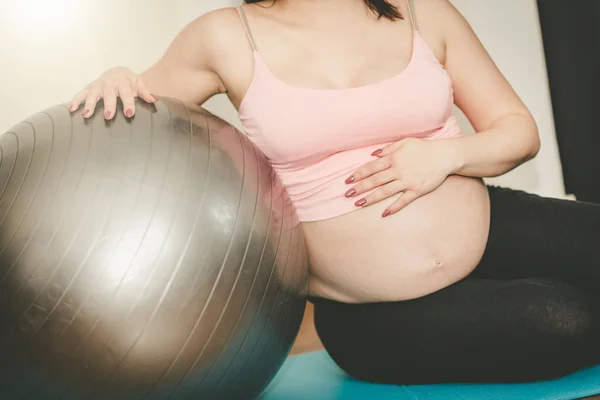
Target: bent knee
<point x="567" y="320"/>
<point x="563" y="312"/>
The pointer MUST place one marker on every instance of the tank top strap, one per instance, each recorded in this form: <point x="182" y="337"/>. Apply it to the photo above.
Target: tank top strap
<point x="413" y="20"/>
<point x="246" y="26"/>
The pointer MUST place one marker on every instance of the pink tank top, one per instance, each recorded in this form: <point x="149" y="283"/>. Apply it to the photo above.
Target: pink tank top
<point x="314" y="139"/>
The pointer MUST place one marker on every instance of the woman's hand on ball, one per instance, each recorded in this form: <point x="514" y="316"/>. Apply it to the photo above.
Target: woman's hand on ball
<point x="411" y="167"/>
<point x="117" y="82"/>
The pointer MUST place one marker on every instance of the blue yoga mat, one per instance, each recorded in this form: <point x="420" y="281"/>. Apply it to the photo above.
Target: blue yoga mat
<point x="315" y="376"/>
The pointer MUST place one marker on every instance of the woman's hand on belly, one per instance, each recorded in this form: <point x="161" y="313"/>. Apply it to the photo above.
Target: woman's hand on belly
<point x="435" y="241"/>
<point x="411" y="167"/>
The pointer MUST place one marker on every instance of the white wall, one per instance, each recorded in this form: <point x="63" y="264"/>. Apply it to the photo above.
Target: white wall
<point x="51" y="48"/>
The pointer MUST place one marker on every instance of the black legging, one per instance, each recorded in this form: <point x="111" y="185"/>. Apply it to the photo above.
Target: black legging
<point x="529" y="311"/>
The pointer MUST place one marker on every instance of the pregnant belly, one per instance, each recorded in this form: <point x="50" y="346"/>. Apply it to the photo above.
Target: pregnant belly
<point x="435" y="241"/>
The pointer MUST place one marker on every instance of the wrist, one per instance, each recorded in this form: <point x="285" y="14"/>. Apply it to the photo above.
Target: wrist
<point x="454" y="155"/>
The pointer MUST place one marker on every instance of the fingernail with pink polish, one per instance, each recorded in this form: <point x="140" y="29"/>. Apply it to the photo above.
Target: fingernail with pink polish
<point x="85" y="113"/>
<point x="360" y="203"/>
<point x="350" y="192"/>
<point x="376" y="152"/>
<point x="386" y="213"/>
<point x="350" y="179"/>
<point x="107" y="115"/>
<point x="129" y="113"/>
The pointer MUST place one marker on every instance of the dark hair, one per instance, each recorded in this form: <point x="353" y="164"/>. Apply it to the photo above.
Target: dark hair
<point x="382" y="7"/>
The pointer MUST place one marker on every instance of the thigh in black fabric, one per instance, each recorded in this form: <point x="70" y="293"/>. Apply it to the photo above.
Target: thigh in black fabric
<point x="534" y="236"/>
<point x="474" y="331"/>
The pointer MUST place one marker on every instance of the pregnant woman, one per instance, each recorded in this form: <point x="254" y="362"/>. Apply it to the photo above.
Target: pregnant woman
<point x="420" y="272"/>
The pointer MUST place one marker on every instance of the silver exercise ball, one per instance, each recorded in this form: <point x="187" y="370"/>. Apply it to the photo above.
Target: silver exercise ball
<point x="156" y="257"/>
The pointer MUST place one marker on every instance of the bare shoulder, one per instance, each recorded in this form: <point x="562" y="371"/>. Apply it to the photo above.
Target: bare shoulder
<point x="439" y="10"/>
<point x="439" y="15"/>
<point x="215" y="42"/>
<point x="429" y="17"/>
<point x="437" y="20"/>
<point x="215" y="29"/>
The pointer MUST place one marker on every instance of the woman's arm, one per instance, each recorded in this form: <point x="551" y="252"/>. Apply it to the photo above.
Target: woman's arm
<point x="186" y="71"/>
<point x="507" y="134"/>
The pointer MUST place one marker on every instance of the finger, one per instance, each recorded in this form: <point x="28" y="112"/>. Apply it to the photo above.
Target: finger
<point x="384" y="192"/>
<point x="126" y="94"/>
<point x="91" y="100"/>
<point x="372" y="182"/>
<point x="110" y="102"/>
<point x="369" y="169"/>
<point x="78" y="99"/>
<point x="387" y="150"/>
<point x="407" y="197"/>
<point x="144" y="93"/>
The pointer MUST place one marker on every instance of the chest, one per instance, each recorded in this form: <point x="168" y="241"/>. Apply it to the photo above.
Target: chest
<point x="339" y="62"/>
<point x="292" y="123"/>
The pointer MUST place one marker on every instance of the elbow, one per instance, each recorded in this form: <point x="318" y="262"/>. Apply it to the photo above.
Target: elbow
<point x="530" y="137"/>
<point x="532" y="147"/>
<point x="534" y="142"/>
<point x="535" y="147"/>
<point x="524" y="135"/>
